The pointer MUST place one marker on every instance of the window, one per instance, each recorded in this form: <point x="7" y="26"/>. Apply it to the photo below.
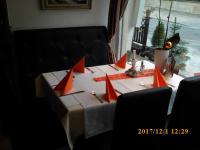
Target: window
<point x="186" y="14"/>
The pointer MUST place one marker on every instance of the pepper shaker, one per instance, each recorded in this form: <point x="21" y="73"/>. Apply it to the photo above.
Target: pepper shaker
<point x="142" y="66"/>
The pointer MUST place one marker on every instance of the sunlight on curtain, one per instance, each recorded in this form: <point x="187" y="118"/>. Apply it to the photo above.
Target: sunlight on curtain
<point x="132" y="17"/>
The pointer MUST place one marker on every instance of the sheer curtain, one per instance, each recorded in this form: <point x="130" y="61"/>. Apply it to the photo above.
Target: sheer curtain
<point x="131" y="16"/>
<point x="116" y="11"/>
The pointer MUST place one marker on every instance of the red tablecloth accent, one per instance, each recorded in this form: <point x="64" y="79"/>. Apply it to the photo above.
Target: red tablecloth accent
<point x="197" y="74"/>
<point x="145" y="73"/>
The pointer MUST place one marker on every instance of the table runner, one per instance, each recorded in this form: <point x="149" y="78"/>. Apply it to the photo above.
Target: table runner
<point x="145" y="73"/>
<point x="98" y="117"/>
<point x="197" y="74"/>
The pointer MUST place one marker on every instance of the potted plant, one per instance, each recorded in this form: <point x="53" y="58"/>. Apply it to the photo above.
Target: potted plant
<point x="180" y="50"/>
<point x="162" y="44"/>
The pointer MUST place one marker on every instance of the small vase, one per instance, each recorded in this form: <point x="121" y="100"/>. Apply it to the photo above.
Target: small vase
<point x="160" y="58"/>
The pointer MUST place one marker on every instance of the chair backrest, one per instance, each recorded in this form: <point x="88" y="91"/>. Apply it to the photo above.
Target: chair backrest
<point x="136" y="114"/>
<point x="186" y="110"/>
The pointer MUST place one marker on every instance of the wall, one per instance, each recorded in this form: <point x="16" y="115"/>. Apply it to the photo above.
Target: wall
<point x="26" y="14"/>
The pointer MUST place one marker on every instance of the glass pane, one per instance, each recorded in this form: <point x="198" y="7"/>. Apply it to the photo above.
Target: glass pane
<point x="186" y="14"/>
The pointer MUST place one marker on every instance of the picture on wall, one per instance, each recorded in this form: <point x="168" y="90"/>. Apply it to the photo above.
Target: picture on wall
<point x="66" y="4"/>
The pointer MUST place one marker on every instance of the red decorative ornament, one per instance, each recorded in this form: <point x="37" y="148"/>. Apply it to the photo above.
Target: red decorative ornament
<point x="168" y="45"/>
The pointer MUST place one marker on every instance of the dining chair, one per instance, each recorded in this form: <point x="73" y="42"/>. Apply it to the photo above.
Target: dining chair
<point x="36" y="126"/>
<point x="140" y="119"/>
<point x="184" y="119"/>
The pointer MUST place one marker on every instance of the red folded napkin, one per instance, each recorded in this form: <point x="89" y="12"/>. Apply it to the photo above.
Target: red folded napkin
<point x="110" y="91"/>
<point x="65" y="85"/>
<point x="80" y="65"/>
<point x="122" y="62"/>
<point x="159" y="79"/>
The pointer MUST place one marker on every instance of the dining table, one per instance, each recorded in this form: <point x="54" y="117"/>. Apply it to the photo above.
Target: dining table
<point x="84" y="110"/>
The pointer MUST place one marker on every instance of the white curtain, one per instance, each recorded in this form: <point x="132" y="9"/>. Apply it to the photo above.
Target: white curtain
<point x="121" y="43"/>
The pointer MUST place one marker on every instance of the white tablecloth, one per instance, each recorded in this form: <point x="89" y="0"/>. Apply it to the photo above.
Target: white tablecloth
<point x="85" y="114"/>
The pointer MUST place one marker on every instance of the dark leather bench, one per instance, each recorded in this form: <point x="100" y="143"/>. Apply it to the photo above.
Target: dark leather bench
<point x="46" y="50"/>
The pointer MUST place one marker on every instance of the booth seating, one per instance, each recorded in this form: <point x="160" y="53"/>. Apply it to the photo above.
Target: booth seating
<point x="45" y="50"/>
